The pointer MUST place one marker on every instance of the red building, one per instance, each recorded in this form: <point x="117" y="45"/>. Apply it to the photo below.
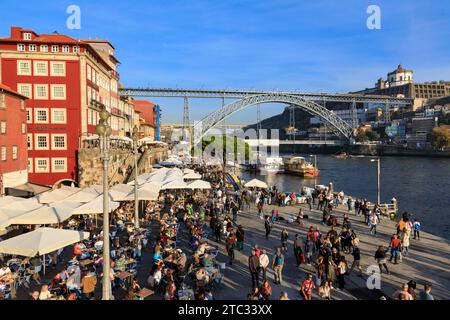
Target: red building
<point x="146" y="110"/>
<point x="13" y="139"/>
<point x="67" y="82"/>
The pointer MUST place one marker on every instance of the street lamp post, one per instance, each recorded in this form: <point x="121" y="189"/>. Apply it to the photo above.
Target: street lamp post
<point x="104" y="131"/>
<point x="378" y="179"/>
<point x="136" y="202"/>
<point x="315" y="168"/>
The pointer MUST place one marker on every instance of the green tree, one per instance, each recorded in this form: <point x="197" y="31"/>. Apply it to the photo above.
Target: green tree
<point x="237" y="146"/>
<point x="440" y="137"/>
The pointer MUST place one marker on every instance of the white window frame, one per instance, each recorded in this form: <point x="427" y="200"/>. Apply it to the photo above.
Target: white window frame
<point x="52" y="73"/>
<point x="35" y="68"/>
<point x="55" y="48"/>
<point x="30" y="89"/>
<point x="3" y="153"/>
<point x="36" y="96"/>
<point x="54" y="136"/>
<point x="52" y="94"/>
<point x="30" y="166"/>
<point x="3" y="127"/>
<point x="24" y="128"/>
<point x="32" y="47"/>
<point x="21" y="47"/>
<point x="30" y="141"/>
<point x="59" y="159"/>
<point x="27" y="36"/>
<point x="14" y="152"/>
<point x="36" y="166"/>
<point x="53" y="119"/>
<point x="19" y="70"/>
<point x="36" y="118"/>
<point x="76" y="49"/>
<point x="29" y="112"/>
<point x="43" y="48"/>
<point x="36" y="141"/>
<point x="65" y="49"/>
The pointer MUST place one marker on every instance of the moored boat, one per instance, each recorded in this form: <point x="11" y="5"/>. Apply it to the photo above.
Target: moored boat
<point x="299" y="165"/>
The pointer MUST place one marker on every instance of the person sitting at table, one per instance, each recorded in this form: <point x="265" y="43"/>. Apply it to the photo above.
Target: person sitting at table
<point x="45" y="293"/>
<point x="170" y="291"/>
<point x="36" y="264"/>
<point x="5" y="274"/>
<point x="98" y="245"/>
<point x="155" y="278"/>
<point x="201" y="249"/>
<point x="180" y="260"/>
<point x="35" y="296"/>
<point x="207" y="260"/>
<point x="201" y="275"/>
<point x="135" y="286"/>
<point x="73" y="282"/>
<point x="121" y="263"/>
<point x="88" y="284"/>
<point x="79" y="250"/>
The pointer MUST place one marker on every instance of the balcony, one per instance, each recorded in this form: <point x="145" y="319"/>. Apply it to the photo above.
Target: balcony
<point x="114" y="74"/>
<point x="97" y="105"/>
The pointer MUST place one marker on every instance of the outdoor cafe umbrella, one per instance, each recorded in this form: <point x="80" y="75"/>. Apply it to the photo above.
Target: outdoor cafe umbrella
<point x="7" y="200"/>
<point x="44" y="215"/>
<point x="96" y="206"/>
<point x="56" y="195"/>
<point x="255" y="183"/>
<point x="83" y="196"/>
<point x="199" y="184"/>
<point x="192" y="176"/>
<point x="120" y="191"/>
<point x="147" y="192"/>
<point x="175" y="185"/>
<point x="41" y="242"/>
<point x="16" y="209"/>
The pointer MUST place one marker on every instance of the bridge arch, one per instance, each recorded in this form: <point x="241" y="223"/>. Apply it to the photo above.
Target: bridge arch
<point x="338" y="126"/>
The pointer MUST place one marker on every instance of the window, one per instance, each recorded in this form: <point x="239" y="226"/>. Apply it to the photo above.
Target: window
<point x="24" y="89"/>
<point x="27" y="36"/>
<point x="41" y="92"/>
<point x="76" y="49"/>
<point x="21" y="47"/>
<point x="66" y="49"/>
<point x="59" y="116"/>
<point x="30" y="165"/>
<point x="32" y="48"/>
<point x="3" y="127"/>
<point x="14" y="152"/>
<point x="59" y="165"/>
<point x="58" y="91"/>
<point x="22" y="104"/>
<point x="44" y="48"/>
<point x="89" y="72"/>
<point x="42" y="165"/>
<point x="41" y="115"/>
<point x="3" y="101"/>
<point x="30" y="141"/>
<point x="29" y="115"/>
<point x="59" y="142"/>
<point x="3" y="153"/>
<point x="40" y="68"/>
<point x="41" y="141"/>
<point x="55" y="49"/>
<point x="24" y="128"/>
<point x="58" y="69"/>
<point x="23" y="67"/>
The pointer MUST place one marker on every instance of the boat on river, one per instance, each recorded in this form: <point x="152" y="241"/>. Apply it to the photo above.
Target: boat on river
<point x="299" y="166"/>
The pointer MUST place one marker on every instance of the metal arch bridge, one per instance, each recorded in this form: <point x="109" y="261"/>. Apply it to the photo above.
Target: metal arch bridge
<point x="339" y="126"/>
<point x="306" y="101"/>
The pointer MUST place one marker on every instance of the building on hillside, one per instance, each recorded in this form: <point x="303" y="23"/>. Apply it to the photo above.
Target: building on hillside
<point x="147" y="112"/>
<point x="13" y="139"/>
<point x="68" y="81"/>
<point x="400" y="83"/>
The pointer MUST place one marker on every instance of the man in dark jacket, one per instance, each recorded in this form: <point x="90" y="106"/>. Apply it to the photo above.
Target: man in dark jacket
<point x="240" y="238"/>
<point x="253" y="265"/>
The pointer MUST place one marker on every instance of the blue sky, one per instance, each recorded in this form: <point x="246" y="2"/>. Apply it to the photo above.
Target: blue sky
<point x="320" y="45"/>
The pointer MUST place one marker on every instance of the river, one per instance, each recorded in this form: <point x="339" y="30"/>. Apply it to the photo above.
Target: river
<point x="420" y="185"/>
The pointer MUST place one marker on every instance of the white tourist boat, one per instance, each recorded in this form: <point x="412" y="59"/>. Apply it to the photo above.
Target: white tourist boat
<point x="271" y="165"/>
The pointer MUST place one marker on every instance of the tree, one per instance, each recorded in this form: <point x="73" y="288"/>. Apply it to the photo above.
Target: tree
<point x="236" y="143"/>
<point x="440" y="137"/>
<point x="366" y="135"/>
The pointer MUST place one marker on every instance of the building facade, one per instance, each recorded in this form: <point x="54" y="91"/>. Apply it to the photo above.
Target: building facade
<point x="13" y="139"/>
<point x="147" y="111"/>
<point x="67" y="82"/>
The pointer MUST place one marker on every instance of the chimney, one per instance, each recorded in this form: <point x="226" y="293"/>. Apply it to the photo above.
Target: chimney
<point x="16" y="32"/>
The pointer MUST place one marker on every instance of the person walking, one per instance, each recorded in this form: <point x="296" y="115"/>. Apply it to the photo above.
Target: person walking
<point x="284" y="239"/>
<point x="395" y="246"/>
<point x="416" y="228"/>
<point x="218" y="230"/>
<point x="268" y="227"/>
<point x="298" y="251"/>
<point x="277" y="266"/>
<point x="231" y="243"/>
<point x="265" y="290"/>
<point x="240" y="235"/>
<point x="425" y="294"/>
<point x="380" y="257"/>
<point x="356" y="261"/>
<point x="341" y="271"/>
<point x="307" y="287"/>
<point x="373" y="221"/>
<point x="263" y="263"/>
<point x="253" y="265"/>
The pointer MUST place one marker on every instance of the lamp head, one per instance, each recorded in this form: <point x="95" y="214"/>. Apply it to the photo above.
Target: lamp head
<point x="101" y="128"/>
<point x="104" y="115"/>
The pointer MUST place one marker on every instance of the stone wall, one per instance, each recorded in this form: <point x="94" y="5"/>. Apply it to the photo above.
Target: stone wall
<point x="90" y="166"/>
